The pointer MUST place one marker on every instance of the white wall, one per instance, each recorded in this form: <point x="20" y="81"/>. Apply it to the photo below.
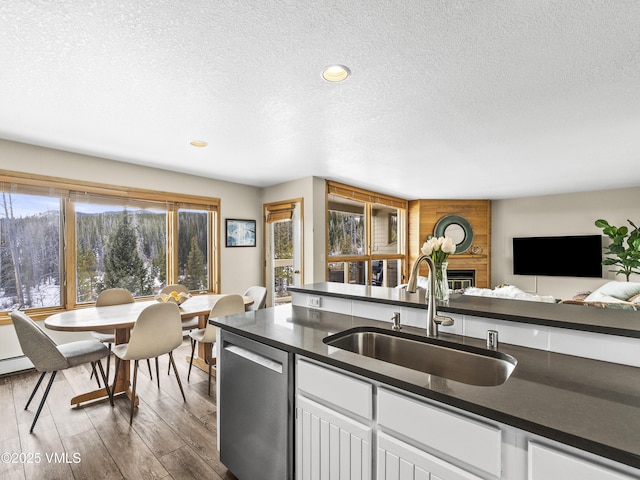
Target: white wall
<point x="565" y="214"/>
<point x="239" y="267"/>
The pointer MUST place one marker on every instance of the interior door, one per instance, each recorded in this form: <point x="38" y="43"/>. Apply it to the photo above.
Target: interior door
<point x="283" y="249"/>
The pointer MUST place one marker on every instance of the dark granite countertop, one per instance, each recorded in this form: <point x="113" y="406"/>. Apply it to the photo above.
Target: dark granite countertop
<point x="588" y="404"/>
<point x="624" y="323"/>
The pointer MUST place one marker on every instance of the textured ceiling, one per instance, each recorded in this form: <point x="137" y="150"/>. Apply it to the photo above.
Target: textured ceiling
<point x="448" y="99"/>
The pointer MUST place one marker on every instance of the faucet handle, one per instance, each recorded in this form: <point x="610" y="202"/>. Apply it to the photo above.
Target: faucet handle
<point x="441" y="320"/>
<point x="396" y="321"/>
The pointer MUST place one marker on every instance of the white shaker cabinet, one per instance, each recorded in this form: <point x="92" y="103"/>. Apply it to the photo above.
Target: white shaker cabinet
<point x="547" y="463"/>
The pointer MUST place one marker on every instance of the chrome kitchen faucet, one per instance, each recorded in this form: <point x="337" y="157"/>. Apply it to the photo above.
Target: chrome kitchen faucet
<point x="433" y="319"/>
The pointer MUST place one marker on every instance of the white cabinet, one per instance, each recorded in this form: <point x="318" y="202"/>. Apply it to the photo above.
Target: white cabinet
<point x="336" y="432"/>
<point x="397" y="460"/>
<point x="333" y="424"/>
<point x="330" y="445"/>
<point x="350" y="428"/>
<point x="546" y="463"/>
<point x="462" y="439"/>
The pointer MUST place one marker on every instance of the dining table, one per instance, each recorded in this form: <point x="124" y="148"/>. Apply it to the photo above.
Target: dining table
<point x="121" y="318"/>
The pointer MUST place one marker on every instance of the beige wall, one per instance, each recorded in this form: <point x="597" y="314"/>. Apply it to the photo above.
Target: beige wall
<point x="312" y="191"/>
<point x="566" y="214"/>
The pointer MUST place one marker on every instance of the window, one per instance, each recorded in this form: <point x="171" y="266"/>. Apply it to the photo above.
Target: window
<point x="115" y="237"/>
<point x="193" y="249"/>
<point x="119" y="247"/>
<point x="30" y="240"/>
<point x="366" y="236"/>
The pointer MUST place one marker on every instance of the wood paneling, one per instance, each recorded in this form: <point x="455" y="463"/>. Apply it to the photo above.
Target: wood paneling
<point x="423" y="216"/>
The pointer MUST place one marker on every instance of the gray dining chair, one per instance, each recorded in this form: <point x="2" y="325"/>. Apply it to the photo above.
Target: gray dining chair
<point x="157" y="331"/>
<point x="259" y="295"/>
<point x="226" y="305"/>
<point x="47" y="356"/>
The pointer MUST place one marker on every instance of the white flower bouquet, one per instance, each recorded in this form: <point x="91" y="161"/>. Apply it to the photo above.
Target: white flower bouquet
<point x="438" y="248"/>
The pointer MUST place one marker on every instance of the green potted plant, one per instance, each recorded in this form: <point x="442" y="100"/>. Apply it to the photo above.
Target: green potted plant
<point x="624" y="247"/>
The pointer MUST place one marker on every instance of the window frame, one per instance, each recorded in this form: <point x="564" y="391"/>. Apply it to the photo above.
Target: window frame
<point x="67" y="189"/>
<point x="369" y="199"/>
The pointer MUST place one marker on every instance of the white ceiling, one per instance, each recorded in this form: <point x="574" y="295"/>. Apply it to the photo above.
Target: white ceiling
<point x="448" y="99"/>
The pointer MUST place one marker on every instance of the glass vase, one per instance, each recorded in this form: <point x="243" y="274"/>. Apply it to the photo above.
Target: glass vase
<point x="442" y="284"/>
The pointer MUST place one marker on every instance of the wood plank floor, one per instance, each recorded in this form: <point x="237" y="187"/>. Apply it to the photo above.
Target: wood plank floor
<point x="169" y="438"/>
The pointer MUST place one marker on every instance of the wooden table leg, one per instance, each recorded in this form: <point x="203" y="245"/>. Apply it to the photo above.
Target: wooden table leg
<point x="122" y="383"/>
<point x="204" y="350"/>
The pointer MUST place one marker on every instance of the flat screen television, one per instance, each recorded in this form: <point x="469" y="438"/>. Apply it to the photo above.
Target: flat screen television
<point x="563" y="256"/>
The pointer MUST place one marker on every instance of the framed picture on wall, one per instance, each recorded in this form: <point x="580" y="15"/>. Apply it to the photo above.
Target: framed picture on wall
<point x="240" y="233"/>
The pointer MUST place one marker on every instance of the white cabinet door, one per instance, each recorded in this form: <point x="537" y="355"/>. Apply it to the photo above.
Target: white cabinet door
<point x="397" y="460"/>
<point x="547" y="463"/>
<point x="459" y="437"/>
<point x="329" y="445"/>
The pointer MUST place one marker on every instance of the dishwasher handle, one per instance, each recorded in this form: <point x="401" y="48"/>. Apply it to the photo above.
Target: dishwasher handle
<point x="254" y="357"/>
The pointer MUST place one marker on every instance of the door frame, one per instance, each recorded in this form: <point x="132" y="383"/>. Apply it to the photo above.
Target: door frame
<point x="266" y="237"/>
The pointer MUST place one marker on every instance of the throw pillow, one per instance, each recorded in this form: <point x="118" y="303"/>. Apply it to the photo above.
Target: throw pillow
<point x="620" y="290"/>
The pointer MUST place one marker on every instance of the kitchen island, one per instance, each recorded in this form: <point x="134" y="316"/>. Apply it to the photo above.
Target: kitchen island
<point x="586" y="404"/>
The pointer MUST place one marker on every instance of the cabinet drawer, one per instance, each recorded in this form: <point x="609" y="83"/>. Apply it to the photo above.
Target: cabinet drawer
<point x="398" y="460"/>
<point x="337" y="389"/>
<point x="545" y="462"/>
<point x="461" y="438"/>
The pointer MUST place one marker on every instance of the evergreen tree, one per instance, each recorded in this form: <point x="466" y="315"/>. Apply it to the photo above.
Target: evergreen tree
<point x="159" y="265"/>
<point x="196" y="275"/>
<point x="123" y="266"/>
<point x="86" y="273"/>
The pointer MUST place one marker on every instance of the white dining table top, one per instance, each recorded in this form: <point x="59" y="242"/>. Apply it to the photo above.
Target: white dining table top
<point x="125" y="315"/>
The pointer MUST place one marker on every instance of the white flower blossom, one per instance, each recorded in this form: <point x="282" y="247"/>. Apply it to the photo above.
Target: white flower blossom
<point x="438" y="248"/>
<point x="448" y="246"/>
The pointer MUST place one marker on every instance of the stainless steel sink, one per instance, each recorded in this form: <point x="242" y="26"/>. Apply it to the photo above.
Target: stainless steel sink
<point x="462" y="363"/>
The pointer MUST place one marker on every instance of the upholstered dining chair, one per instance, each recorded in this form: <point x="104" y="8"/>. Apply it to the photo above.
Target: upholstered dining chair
<point x="111" y="296"/>
<point x="259" y="295"/>
<point x="47" y="356"/>
<point x="157" y="331"/>
<point x="187" y="323"/>
<point x="226" y="305"/>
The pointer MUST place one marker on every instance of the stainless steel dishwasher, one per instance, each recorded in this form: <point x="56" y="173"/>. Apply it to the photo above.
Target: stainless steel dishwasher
<point x="256" y="409"/>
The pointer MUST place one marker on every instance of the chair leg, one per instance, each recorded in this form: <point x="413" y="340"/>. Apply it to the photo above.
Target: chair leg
<point x="35" y="389"/>
<point x="149" y="367"/>
<point x="209" y="379"/>
<point x="157" y="372"/>
<point x="115" y="375"/>
<point x="93" y="368"/>
<point x="133" y="390"/>
<point x="44" y="398"/>
<point x="193" y="349"/>
<point x="108" y="360"/>
<point x="106" y="383"/>
<point x="94" y="373"/>
<point x="175" y="370"/>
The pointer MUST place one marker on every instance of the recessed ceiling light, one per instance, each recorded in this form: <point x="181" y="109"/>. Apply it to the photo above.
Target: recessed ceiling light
<point x="336" y="73"/>
<point x="198" y="143"/>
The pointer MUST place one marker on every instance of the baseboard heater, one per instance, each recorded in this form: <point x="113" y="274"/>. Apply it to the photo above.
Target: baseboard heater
<point x="15" y="365"/>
